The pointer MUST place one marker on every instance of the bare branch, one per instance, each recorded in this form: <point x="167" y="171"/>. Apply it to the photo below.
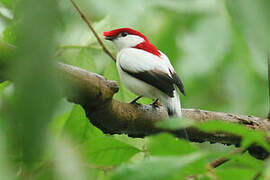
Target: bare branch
<point x="105" y="49"/>
<point x="95" y="94"/>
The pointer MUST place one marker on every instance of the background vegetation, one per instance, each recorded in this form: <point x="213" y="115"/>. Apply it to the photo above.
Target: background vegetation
<point x="218" y="47"/>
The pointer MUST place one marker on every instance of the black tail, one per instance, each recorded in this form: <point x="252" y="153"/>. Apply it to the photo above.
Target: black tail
<point x="182" y="133"/>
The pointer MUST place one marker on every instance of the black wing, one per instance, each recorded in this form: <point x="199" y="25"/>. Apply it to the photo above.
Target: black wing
<point x="156" y="78"/>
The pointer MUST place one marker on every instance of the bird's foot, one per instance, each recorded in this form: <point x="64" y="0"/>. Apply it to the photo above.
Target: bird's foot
<point x="135" y="100"/>
<point x="156" y="103"/>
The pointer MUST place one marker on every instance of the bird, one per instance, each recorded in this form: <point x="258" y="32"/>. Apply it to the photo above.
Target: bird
<point x="145" y="70"/>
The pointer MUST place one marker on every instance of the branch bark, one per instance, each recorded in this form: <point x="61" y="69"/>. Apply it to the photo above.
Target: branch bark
<point x="95" y="94"/>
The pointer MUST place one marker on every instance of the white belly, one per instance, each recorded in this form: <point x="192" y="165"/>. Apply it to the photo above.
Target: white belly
<point x="137" y="86"/>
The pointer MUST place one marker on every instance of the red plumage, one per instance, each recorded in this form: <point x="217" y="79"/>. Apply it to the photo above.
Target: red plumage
<point x="116" y="32"/>
<point x="146" y="45"/>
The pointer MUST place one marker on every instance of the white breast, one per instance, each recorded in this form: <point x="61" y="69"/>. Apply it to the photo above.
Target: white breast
<point x="139" y="60"/>
<point x="135" y="85"/>
<point x="136" y="60"/>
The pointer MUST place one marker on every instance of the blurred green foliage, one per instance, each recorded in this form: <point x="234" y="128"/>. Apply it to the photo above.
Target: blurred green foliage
<point x="218" y="47"/>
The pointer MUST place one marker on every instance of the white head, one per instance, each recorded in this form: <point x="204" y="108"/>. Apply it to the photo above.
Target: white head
<point x="125" y="40"/>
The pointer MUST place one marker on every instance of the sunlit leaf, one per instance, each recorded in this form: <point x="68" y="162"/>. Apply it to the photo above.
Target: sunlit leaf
<point x="166" y="144"/>
<point x="155" y="168"/>
<point x="9" y="34"/>
<point x="58" y="123"/>
<point x="138" y="143"/>
<point x="3" y="85"/>
<point x="244" y="161"/>
<point x="8" y="3"/>
<point x="107" y="151"/>
<point x="235" y="173"/>
<point x="79" y="127"/>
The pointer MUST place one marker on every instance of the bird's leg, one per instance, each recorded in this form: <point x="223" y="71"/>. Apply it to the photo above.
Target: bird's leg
<point x="136" y="99"/>
<point x="156" y="103"/>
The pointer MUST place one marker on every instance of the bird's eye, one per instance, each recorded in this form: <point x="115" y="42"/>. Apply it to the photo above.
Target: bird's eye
<point x="124" y="34"/>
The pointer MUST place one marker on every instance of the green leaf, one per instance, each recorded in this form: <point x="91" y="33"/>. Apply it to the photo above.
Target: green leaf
<point x="175" y="123"/>
<point x="9" y="34"/>
<point x="8" y="3"/>
<point x="107" y="151"/>
<point x="166" y="144"/>
<point x="135" y="142"/>
<point x="5" y="51"/>
<point x="245" y="161"/>
<point x="3" y="85"/>
<point x="58" y="123"/>
<point x="157" y="168"/>
<point x="79" y="127"/>
<point x="235" y="173"/>
<point x="249" y="136"/>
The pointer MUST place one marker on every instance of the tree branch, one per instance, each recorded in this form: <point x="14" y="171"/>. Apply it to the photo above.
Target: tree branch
<point x="95" y="94"/>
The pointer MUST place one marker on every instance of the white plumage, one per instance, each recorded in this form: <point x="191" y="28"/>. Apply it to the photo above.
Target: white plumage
<point x="139" y="60"/>
<point x="145" y="70"/>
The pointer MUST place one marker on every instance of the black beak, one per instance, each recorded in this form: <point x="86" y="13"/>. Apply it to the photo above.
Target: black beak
<point x="110" y="38"/>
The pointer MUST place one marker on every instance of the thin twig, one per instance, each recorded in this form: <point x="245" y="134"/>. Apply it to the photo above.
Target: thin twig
<point x="83" y="16"/>
<point x="219" y="162"/>
<point x="222" y="160"/>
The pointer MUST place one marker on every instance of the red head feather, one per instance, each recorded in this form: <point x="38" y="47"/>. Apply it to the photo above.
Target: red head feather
<point x="146" y="45"/>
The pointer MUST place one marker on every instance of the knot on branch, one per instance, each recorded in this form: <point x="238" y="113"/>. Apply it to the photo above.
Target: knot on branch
<point x="113" y="86"/>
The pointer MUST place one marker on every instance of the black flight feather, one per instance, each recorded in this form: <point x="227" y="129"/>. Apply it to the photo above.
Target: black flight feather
<point x="178" y="82"/>
<point x="156" y="78"/>
<point x="159" y="80"/>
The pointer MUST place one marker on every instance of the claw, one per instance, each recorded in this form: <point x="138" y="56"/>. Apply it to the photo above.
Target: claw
<point x="156" y="103"/>
<point x="136" y="99"/>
